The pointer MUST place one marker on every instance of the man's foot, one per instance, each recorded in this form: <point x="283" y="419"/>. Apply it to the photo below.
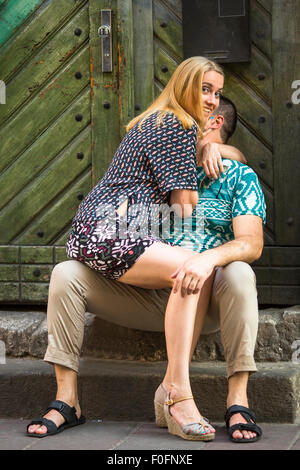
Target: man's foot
<point x="54" y="416"/>
<point x="236" y="419"/>
<point x="242" y="431"/>
<point x="237" y="395"/>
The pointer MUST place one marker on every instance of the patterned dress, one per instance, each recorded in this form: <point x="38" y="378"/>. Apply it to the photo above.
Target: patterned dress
<point x="149" y="163"/>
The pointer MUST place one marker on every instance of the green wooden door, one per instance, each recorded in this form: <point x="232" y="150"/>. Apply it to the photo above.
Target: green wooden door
<point x="64" y="119"/>
<point x="45" y="135"/>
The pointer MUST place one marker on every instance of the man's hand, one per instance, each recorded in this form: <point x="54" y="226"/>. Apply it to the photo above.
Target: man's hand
<point x="190" y="277"/>
<point x="247" y="246"/>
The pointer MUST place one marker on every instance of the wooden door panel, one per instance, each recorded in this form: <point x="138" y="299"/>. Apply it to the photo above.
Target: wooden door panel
<point x="54" y="222"/>
<point x="45" y="63"/>
<point x="39" y="113"/>
<point x="19" y="48"/>
<point x="44" y="149"/>
<point x="45" y="132"/>
<point x="13" y="14"/>
<point x="40" y="194"/>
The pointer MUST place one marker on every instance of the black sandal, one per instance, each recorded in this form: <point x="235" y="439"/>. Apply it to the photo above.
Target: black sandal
<point x="249" y="426"/>
<point x="66" y="411"/>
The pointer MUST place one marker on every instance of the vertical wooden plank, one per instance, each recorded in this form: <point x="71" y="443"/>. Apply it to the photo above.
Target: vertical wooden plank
<point x="125" y="66"/>
<point x="286" y="144"/>
<point x="104" y="93"/>
<point x="143" y="54"/>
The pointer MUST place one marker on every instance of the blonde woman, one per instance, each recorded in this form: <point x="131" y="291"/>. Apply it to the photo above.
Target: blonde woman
<point x="154" y="165"/>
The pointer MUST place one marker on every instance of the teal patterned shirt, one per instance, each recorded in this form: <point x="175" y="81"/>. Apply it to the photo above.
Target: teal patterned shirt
<point x="236" y="192"/>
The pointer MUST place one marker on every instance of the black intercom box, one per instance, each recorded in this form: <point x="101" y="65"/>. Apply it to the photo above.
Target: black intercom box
<point x="217" y="29"/>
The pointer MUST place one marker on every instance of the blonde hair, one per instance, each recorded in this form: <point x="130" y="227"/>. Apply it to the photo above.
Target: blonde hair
<point x="182" y="95"/>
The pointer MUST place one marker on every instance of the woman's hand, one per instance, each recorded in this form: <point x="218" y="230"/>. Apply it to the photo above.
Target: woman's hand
<point x="190" y="277"/>
<point x="212" y="160"/>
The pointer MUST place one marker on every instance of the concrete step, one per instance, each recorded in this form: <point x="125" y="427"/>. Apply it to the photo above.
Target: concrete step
<point x="24" y="333"/>
<point x="124" y="390"/>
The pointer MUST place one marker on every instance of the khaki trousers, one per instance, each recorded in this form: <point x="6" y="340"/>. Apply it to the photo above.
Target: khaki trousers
<point x="75" y="289"/>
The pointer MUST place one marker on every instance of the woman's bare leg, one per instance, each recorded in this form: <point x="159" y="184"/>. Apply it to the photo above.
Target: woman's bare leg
<point x="163" y="261"/>
<point x="202" y="307"/>
<point x="153" y="270"/>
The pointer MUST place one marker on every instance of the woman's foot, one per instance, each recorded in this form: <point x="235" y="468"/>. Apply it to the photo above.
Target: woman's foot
<point x="55" y="416"/>
<point x="186" y="412"/>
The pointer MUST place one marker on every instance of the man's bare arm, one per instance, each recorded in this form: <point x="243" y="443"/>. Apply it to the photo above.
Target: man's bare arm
<point x="247" y="245"/>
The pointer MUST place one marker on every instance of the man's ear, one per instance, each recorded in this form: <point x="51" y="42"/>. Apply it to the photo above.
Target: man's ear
<point x="217" y="122"/>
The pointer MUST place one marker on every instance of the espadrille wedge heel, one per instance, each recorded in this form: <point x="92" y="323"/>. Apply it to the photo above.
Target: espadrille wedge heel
<point x="159" y="400"/>
<point x="201" y="431"/>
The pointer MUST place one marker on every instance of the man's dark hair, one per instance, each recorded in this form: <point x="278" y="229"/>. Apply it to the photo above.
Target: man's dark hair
<point x="227" y="109"/>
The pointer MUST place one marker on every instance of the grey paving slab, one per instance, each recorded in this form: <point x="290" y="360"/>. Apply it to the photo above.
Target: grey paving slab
<point x="275" y="437"/>
<point x="93" y="435"/>
<point x="296" y="443"/>
<point x="135" y="436"/>
<point x="147" y="436"/>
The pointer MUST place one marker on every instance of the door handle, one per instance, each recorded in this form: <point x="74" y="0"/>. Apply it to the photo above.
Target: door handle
<point x="105" y="34"/>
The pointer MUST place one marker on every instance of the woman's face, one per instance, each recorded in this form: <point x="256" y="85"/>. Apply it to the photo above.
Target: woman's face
<point x="212" y="87"/>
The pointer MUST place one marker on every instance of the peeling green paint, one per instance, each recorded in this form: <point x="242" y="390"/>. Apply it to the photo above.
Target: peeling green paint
<point x="12" y="15"/>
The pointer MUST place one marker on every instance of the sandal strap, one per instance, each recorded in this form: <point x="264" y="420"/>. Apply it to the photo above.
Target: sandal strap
<point x="50" y="425"/>
<point x="171" y="402"/>
<point x="64" y="409"/>
<point x="243" y="410"/>
<point x="245" y="427"/>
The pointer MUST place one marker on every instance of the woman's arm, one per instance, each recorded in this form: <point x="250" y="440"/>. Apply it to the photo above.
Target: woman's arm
<point x="210" y="157"/>
<point x="227" y="151"/>
<point x="183" y="201"/>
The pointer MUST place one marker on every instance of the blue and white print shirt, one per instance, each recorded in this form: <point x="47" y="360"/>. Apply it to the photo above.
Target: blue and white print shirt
<point x="236" y="192"/>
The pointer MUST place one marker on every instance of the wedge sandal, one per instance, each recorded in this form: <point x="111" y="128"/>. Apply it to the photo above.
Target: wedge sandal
<point x="201" y="431"/>
<point x="66" y="411"/>
<point x="249" y="426"/>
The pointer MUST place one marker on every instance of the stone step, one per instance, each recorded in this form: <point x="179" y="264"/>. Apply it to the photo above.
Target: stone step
<point x="24" y="333"/>
<point x="124" y="390"/>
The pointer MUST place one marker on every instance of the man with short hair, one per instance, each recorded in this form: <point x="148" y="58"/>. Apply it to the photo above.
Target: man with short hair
<point x="229" y="218"/>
